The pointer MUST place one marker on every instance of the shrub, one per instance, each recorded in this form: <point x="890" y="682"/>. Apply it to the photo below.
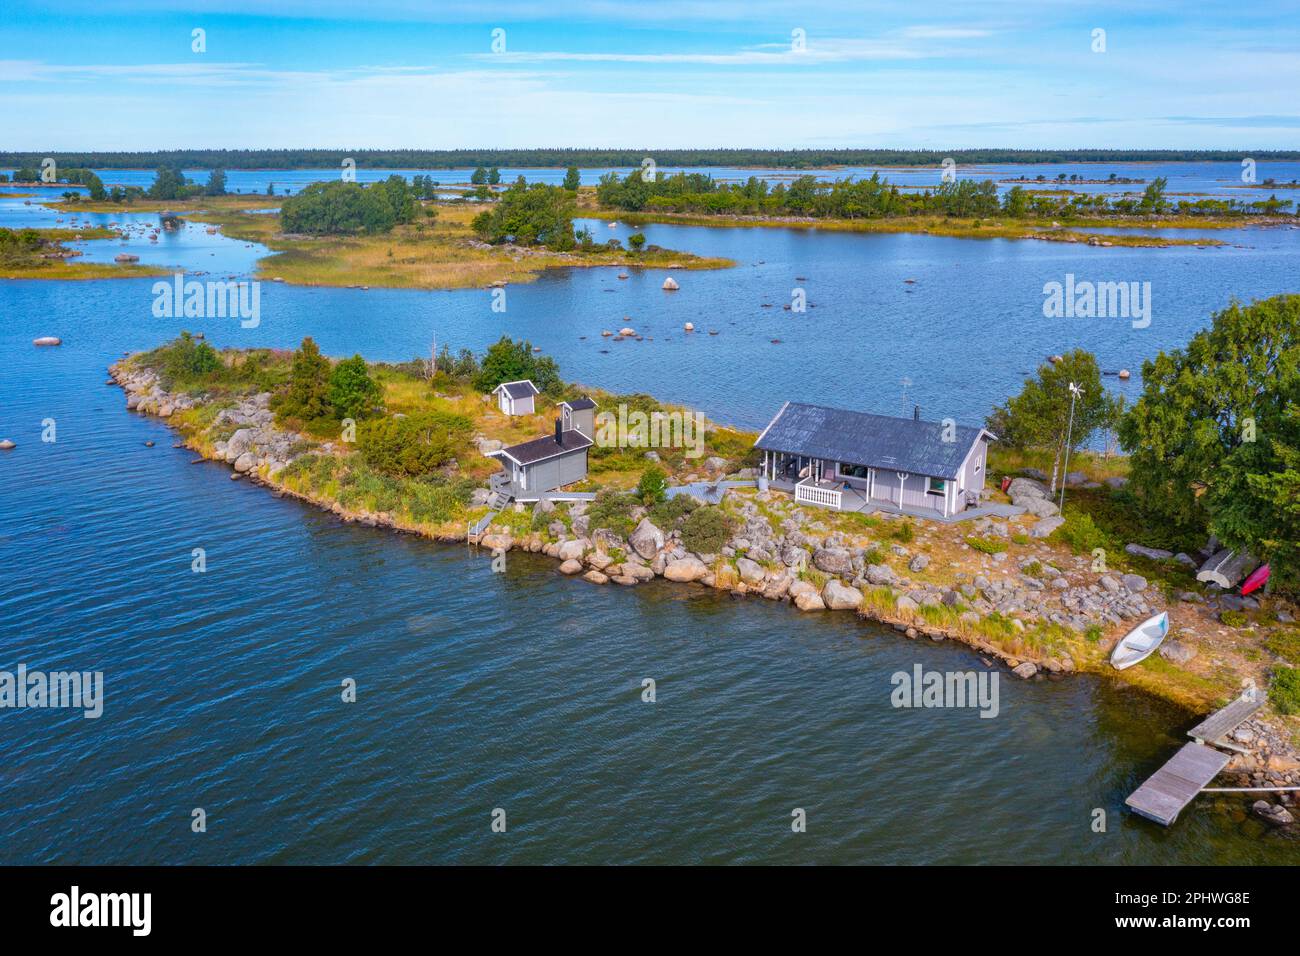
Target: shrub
<point x="1081" y="534"/>
<point x="653" y="486"/>
<point x="667" y="515"/>
<point x="1234" y="618"/>
<point x="307" y="396"/>
<point x="352" y="392"/>
<point x="986" y="545"/>
<point x="510" y="361"/>
<point x="904" y="532"/>
<point x="414" y="445"/>
<point x="611" y="510"/>
<point x="706" y="530"/>
<point x="1284" y="691"/>
<point x="187" y="359"/>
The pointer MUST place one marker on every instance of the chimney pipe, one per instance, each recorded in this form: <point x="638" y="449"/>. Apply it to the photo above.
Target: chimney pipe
<point x="916" y="413"/>
<point x="559" y="432"/>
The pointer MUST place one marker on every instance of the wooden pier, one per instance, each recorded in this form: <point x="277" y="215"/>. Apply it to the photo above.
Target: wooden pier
<point x="1171" y="788"/>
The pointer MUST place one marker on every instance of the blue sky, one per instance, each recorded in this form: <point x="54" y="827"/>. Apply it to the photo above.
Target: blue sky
<point x="121" y="74"/>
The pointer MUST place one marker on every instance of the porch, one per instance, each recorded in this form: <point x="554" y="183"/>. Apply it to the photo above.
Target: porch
<point x="844" y="486"/>
<point x="851" y="499"/>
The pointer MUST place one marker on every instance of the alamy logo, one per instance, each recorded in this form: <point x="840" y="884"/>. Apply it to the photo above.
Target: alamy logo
<point x="208" y="300"/>
<point x="74" y="908"/>
<point x="636" y="429"/>
<point x="76" y="690"/>
<point x="1098" y="300"/>
<point x="926" y="689"/>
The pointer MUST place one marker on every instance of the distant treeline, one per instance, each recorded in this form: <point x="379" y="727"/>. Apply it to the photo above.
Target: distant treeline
<point x="598" y="158"/>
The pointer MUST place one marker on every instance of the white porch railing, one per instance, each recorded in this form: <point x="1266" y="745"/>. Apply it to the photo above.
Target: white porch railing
<point x="819" y="493"/>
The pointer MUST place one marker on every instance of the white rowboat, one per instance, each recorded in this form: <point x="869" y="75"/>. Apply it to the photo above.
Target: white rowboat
<point x="1138" y="644"/>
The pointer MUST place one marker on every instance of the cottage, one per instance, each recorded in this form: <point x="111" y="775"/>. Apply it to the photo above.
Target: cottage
<point x="534" y="468"/>
<point x="855" y="461"/>
<point x="580" y="414"/>
<point x="516" y="398"/>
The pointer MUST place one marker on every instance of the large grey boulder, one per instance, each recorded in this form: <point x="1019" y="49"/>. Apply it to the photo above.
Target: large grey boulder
<point x="1155" y="554"/>
<point x="1038" y="507"/>
<point x="1045" y="526"/>
<point x="840" y="597"/>
<point x="881" y="574"/>
<point x="685" y="570"/>
<point x="919" y="563"/>
<point x="239" y="443"/>
<point x="834" y="560"/>
<point x="573" y="550"/>
<point x="1177" y="651"/>
<point x="1134" y="582"/>
<point x="646" y="540"/>
<point x="1026" y="488"/>
<point x="795" y="557"/>
<point x="751" y="572"/>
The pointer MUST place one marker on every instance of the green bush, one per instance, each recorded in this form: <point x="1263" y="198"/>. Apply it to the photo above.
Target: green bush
<point x="414" y="445"/>
<point x="1234" y="618"/>
<point x="706" y="530"/>
<point x="611" y="510"/>
<point x="1284" y="691"/>
<point x="307" y="396"/>
<point x="352" y="392"/>
<point x="1081" y="534"/>
<point x="653" y="486"/>
<point x="904" y="532"/>
<point x="668" y="515"/>
<point x="986" y="545"/>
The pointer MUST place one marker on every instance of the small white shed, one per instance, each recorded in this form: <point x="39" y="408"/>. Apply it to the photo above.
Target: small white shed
<point x="516" y="398"/>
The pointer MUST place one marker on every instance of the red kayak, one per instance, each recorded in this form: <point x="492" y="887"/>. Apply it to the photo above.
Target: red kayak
<point x="1006" y="483"/>
<point x="1258" y="578"/>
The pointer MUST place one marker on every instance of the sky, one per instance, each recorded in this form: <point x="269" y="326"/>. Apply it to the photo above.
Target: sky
<point x="126" y="74"/>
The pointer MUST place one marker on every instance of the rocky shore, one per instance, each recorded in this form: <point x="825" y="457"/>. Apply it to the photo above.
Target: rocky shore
<point x="1041" y="614"/>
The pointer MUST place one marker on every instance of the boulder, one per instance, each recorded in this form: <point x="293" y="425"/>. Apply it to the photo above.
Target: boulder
<point x="1276" y="816"/>
<point x="1117" y="482"/>
<point x="245" y="462"/>
<point x="1075" y="479"/>
<point x="1026" y="488"/>
<point x="919" y="563"/>
<point x="1026" y="670"/>
<point x="1155" y="554"/>
<point x="7" y="445"/>
<point x="834" y="560"/>
<point x="810" y="600"/>
<point x="751" y="572"/>
<point x="795" y="558"/>
<point x="881" y="574"/>
<point x="1134" y="582"/>
<point x="685" y="570"/>
<point x="571" y="566"/>
<point x="572" y="550"/>
<point x="840" y="597"/>
<point x="637" y="572"/>
<point x="1045" y="526"/>
<point x="1038" y="507"/>
<point x="496" y="542"/>
<point x="646" y="540"/>
<point x="1177" y="651"/>
<point x="670" y="284"/>
<point x="595" y="577"/>
<point x="906" y="604"/>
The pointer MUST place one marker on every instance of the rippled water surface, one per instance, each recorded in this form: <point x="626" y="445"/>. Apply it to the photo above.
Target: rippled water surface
<point x="522" y="690"/>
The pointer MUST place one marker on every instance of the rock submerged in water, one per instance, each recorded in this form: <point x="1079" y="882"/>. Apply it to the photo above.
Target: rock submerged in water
<point x="47" y="340"/>
<point x="670" y="284"/>
<point x="7" y="445"/>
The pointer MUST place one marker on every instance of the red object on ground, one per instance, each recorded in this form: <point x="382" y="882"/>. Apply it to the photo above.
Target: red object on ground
<point x="1006" y="483"/>
<point x="1257" y="579"/>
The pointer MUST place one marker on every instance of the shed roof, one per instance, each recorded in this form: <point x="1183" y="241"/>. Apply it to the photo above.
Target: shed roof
<point x="540" y="449"/>
<point x="580" y="404"/>
<point x="860" y="438"/>
<point x="521" y="389"/>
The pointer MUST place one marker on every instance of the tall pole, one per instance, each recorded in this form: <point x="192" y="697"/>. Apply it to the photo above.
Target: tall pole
<point x="1069" y="428"/>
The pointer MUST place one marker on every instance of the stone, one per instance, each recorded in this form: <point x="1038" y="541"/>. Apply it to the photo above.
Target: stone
<point x="1177" y="651"/>
<point x="1155" y="554"/>
<point x="670" y="285"/>
<point x="1109" y="583"/>
<point x="906" y="604"/>
<point x="572" y="550"/>
<point x="685" y="570"/>
<point x="7" y="445"/>
<point x="1045" y="526"/>
<point x="646" y="540"/>
<point x="1026" y="488"/>
<point x="595" y="577"/>
<point x="1038" y="507"/>
<point x="638" y="572"/>
<point x="1134" y="582"/>
<point x="919" y="563"/>
<point x="599" y="561"/>
<point x="1026" y="670"/>
<point x="795" y="558"/>
<point x="751" y="572"/>
<point x="1272" y="815"/>
<point x="245" y="462"/>
<point x="881" y="574"/>
<point x="714" y="463"/>
<point x="497" y="542"/>
<point x="544" y="506"/>
<point x="1117" y="482"/>
<point x="840" y="597"/>
<point x="834" y="560"/>
<point x="810" y="601"/>
<point x="1075" y="479"/>
<point x="571" y="566"/>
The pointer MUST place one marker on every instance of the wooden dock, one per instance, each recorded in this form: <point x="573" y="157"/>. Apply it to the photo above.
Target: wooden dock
<point x="1177" y="783"/>
<point x="1214" y="729"/>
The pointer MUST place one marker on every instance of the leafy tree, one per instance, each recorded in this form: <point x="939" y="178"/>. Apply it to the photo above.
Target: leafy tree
<point x="216" y="183"/>
<point x="1215" y="437"/>
<point x="1153" y="197"/>
<point x="1037" y="418"/>
<point x="653" y="486"/>
<point x="535" y="214"/>
<point x="636" y="241"/>
<point x="307" y="395"/>
<point x="352" y="391"/>
<point x="270" y="189"/>
<point x="494" y="176"/>
<point x="479" y="176"/>
<point x="341" y="208"/>
<point x="511" y="361"/>
<point x="412" y="446"/>
<point x="187" y="359"/>
<point x="572" y="179"/>
<point x="170" y="183"/>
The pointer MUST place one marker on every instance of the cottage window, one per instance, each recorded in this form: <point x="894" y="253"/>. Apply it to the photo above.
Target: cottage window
<point x="938" y="486"/>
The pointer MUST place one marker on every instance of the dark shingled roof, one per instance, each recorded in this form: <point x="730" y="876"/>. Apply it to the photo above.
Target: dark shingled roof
<point x="519" y="389"/>
<point x="540" y="449"/>
<point x="580" y="404"/>
<point x="859" y="438"/>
